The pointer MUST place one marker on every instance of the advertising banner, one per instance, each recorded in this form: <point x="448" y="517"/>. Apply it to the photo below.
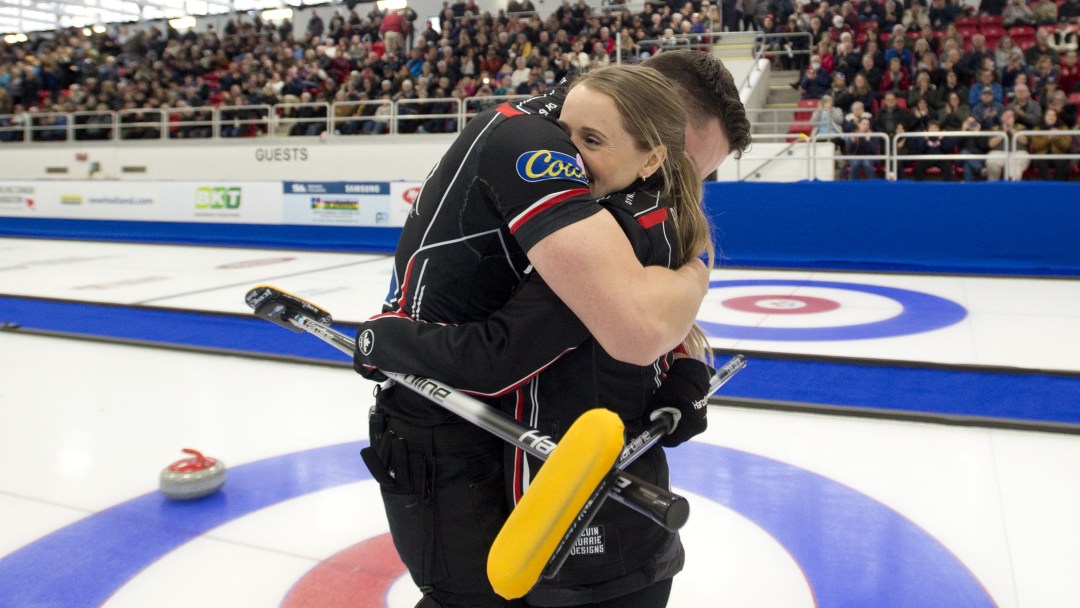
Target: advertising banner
<point x="336" y="203"/>
<point x="222" y="202"/>
<point x="402" y="197"/>
<point x="18" y="198"/>
<point x="363" y="204"/>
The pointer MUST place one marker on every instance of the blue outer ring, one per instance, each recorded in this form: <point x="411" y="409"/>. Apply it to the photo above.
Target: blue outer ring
<point x="921" y="312"/>
<point x="835" y="533"/>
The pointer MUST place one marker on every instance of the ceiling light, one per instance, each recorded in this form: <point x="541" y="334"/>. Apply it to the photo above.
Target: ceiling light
<point x="274" y="14"/>
<point x="182" y="23"/>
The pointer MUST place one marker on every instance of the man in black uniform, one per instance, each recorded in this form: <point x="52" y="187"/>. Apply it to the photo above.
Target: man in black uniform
<point x="511" y="184"/>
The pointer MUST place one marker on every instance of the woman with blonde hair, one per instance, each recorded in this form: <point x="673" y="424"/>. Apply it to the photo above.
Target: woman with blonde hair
<point x="922" y="89"/>
<point x="1007" y="49"/>
<point x="541" y="362"/>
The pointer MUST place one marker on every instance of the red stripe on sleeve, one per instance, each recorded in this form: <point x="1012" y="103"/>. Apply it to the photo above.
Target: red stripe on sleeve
<point x="405" y="285"/>
<point x="508" y="110"/>
<point x="541" y="207"/>
<point x="653" y="218"/>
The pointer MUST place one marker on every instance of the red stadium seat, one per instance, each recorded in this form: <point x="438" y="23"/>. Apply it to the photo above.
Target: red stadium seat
<point x="794" y="131"/>
<point x="994" y="32"/>
<point x="1023" y="36"/>
<point x="985" y="20"/>
<point x="965" y="20"/>
<point x="1075" y="98"/>
<point x="1022" y="31"/>
<point x="967" y="31"/>
<point x="801" y="120"/>
<point x="806" y="111"/>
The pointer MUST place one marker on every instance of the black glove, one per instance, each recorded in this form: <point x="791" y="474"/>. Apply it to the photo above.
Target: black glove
<point x="364" y="342"/>
<point x="684" y="395"/>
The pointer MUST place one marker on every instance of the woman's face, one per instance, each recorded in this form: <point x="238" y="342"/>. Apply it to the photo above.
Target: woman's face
<point x="612" y="159"/>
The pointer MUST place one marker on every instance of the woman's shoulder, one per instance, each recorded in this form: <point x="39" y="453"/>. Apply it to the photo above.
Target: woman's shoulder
<point x="635" y="201"/>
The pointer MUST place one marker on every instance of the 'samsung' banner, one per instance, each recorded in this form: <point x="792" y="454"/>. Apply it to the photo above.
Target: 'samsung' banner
<point x="337" y="203"/>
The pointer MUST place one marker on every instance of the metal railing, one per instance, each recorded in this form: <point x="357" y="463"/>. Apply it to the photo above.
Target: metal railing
<point x="763" y="43"/>
<point x="777" y="120"/>
<point x="449" y="115"/>
<point x="700" y="41"/>
<point x="785" y="154"/>
<point x="1011" y="159"/>
<point x="852" y="163"/>
<point x="1014" y="159"/>
<point x="789" y="158"/>
<point x="1004" y="162"/>
<point x="343" y="118"/>
<point x="947" y="158"/>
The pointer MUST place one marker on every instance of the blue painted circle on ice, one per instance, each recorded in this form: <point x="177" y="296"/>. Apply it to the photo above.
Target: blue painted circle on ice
<point x="921" y="312"/>
<point x="854" y="550"/>
<point x="829" y="528"/>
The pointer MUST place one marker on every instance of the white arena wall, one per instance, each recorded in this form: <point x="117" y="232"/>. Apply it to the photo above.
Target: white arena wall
<point x="378" y="158"/>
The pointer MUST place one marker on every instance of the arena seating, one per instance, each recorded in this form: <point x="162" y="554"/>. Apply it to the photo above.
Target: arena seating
<point x="65" y="80"/>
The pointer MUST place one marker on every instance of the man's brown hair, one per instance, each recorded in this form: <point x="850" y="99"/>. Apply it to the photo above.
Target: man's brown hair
<point x="709" y="92"/>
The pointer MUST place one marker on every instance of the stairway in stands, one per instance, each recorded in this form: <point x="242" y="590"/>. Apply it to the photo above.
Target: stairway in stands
<point x="780" y="103"/>
<point x="734" y="45"/>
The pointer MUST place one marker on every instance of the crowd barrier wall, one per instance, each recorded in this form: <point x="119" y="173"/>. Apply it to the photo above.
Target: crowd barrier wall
<point x="390" y="157"/>
<point x="1008" y="228"/>
<point x="345" y="216"/>
<point x="1011" y="228"/>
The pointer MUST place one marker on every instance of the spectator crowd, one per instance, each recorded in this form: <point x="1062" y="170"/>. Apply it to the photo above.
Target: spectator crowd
<point x="976" y="74"/>
<point x="354" y="57"/>
<point x="867" y="65"/>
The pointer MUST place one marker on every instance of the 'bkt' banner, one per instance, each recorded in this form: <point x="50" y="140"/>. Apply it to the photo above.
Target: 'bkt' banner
<point x="340" y="203"/>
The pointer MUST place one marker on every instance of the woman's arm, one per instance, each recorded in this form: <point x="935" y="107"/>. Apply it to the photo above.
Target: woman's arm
<point x="636" y="313"/>
<point x="485" y="358"/>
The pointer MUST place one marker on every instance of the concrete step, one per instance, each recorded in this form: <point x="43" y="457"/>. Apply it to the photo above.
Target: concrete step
<point x="728" y="53"/>
<point x="784" y="94"/>
<point x="733" y="51"/>
<point x="734" y="45"/>
<point x="779" y="76"/>
<point x="767" y="128"/>
<point x="735" y="38"/>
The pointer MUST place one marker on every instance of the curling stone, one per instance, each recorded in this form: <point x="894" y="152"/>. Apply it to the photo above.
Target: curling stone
<point x="193" y="477"/>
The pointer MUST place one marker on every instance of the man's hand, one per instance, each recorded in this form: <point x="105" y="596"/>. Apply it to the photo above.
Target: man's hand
<point x="684" y="394"/>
